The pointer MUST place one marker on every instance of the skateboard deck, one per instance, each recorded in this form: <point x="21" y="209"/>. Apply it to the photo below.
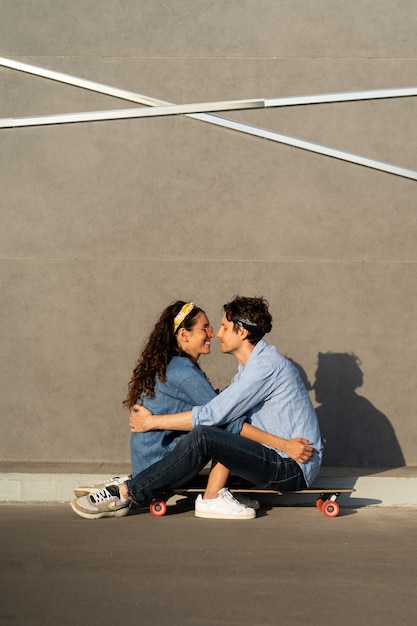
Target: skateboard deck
<point x="326" y="501"/>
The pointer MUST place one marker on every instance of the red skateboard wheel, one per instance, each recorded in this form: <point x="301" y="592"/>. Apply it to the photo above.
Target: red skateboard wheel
<point x="158" y="508"/>
<point x="330" y="509"/>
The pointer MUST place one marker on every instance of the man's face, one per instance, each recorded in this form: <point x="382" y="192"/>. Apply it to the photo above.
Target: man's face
<point x="230" y="341"/>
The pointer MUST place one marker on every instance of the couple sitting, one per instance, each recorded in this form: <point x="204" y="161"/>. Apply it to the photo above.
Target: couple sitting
<point x="262" y="427"/>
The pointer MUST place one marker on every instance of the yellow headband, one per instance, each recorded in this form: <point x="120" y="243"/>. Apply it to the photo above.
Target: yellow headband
<point x="185" y="310"/>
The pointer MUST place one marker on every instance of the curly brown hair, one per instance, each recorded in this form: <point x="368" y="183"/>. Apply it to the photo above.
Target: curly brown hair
<point x="255" y="310"/>
<point x="160" y="348"/>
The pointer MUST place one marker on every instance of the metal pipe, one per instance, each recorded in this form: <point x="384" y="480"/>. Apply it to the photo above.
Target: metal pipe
<point x="319" y="149"/>
<point x="96" y="116"/>
<point x="75" y="81"/>
<point x="240" y="126"/>
<point x="348" y="96"/>
<point x="201" y="107"/>
<point x="69" y="79"/>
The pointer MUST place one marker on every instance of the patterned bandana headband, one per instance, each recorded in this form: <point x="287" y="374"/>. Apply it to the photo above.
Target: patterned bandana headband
<point x="185" y="310"/>
<point x="252" y="327"/>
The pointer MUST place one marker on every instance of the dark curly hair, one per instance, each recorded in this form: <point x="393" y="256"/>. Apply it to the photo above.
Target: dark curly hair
<point x="161" y="347"/>
<point x="242" y="310"/>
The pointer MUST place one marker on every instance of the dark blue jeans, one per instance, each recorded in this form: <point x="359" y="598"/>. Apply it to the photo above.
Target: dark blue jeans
<point x="245" y="458"/>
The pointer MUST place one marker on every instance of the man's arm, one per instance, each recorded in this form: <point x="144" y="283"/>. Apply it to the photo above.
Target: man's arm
<point x="298" y="449"/>
<point x="250" y="388"/>
<point x="142" y="420"/>
<point x="230" y="404"/>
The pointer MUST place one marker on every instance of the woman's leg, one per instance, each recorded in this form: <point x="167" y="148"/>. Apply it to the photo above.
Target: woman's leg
<point x="217" y="480"/>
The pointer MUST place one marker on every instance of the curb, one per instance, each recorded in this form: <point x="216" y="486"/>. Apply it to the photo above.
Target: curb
<point x="381" y="489"/>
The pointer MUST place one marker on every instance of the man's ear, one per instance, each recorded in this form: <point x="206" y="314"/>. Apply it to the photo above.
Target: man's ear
<point x="243" y="332"/>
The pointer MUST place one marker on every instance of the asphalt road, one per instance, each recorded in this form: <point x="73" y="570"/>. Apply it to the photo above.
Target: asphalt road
<point x="290" y="565"/>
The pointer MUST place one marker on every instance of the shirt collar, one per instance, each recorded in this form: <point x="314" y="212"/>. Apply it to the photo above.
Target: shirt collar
<point x="260" y="346"/>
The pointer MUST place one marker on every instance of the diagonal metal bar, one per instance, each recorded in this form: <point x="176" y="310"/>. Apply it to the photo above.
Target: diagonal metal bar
<point x="84" y="83"/>
<point x="118" y="114"/>
<point x="347" y="96"/>
<point x="201" y="107"/>
<point x="239" y="126"/>
<point x="132" y="96"/>
<point x="319" y="149"/>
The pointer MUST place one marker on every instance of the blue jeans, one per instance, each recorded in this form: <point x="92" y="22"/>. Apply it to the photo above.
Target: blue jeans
<point x="247" y="459"/>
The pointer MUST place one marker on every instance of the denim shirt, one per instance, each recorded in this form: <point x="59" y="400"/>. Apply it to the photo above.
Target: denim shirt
<point x="269" y="393"/>
<point x="184" y="387"/>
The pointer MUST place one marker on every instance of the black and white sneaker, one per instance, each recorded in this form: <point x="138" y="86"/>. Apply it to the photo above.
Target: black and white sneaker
<point x="107" y="502"/>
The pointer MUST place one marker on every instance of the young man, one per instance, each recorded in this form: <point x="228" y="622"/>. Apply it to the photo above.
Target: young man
<point x="267" y="392"/>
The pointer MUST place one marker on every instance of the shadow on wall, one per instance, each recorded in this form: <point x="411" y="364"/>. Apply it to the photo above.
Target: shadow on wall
<point x="354" y="432"/>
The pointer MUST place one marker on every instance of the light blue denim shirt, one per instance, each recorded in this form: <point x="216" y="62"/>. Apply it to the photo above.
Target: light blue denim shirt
<point x="184" y="387"/>
<point x="269" y="392"/>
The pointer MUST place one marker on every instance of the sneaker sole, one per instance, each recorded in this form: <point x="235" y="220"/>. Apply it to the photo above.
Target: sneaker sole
<point x="210" y="515"/>
<point x="98" y="515"/>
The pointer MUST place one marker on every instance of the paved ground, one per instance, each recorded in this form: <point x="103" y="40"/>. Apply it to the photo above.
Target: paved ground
<point x="290" y="566"/>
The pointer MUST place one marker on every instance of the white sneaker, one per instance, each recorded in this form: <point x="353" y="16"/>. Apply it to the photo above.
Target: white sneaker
<point x="225" y="506"/>
<point x="107" y="502"/>
<point x="90" y="489"/>
<point x="253" y="504"/>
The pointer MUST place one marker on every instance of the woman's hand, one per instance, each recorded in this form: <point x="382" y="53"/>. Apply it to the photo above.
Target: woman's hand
<point x="139" y="419"/>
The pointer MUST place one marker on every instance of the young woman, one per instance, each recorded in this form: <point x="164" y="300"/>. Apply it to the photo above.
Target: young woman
<point x="167" y="375"/>
<point x="167" y="379"/>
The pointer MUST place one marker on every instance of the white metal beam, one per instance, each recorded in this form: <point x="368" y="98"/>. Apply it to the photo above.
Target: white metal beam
<point x="347" y="96"/>
<point x="118" y="114"/>
<point x="200" y="107"/>
<point x="132" y="96"/>
<point x="169" y="109"/>
<point x="319" y="149"/>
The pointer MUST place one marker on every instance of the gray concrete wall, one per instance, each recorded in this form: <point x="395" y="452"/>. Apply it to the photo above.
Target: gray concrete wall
<point x="104" y="224"/>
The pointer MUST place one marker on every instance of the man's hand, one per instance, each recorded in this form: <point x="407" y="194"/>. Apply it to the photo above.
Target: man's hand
<point x="299" y="449"/>
<point x="139" y="419"/>
<point x="142" y="420"/>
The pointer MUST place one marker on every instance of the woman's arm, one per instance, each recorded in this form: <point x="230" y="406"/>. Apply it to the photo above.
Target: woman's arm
<point x="298" y="449"/>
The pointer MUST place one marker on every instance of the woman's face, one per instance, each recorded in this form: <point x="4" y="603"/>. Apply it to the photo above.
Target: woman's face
<point x="197" y="340"/>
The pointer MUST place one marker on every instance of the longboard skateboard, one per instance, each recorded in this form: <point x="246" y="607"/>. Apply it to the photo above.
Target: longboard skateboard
<point x="326" y="501"/>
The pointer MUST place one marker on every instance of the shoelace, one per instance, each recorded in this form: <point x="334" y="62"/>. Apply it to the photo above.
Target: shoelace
<point x="101" y="496"/>
<point x="230" y="496"/>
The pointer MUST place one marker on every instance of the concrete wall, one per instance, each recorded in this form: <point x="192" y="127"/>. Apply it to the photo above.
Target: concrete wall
<point x="103" y="224"/>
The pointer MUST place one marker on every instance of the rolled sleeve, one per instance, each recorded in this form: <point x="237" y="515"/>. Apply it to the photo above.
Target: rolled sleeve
<point x="246" y="392"/>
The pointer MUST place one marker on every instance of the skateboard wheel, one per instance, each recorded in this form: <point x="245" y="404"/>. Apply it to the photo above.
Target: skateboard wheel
<point x="319" y="503"/>
<point x="330" y="509"/>
<point x="158" y="508"/>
